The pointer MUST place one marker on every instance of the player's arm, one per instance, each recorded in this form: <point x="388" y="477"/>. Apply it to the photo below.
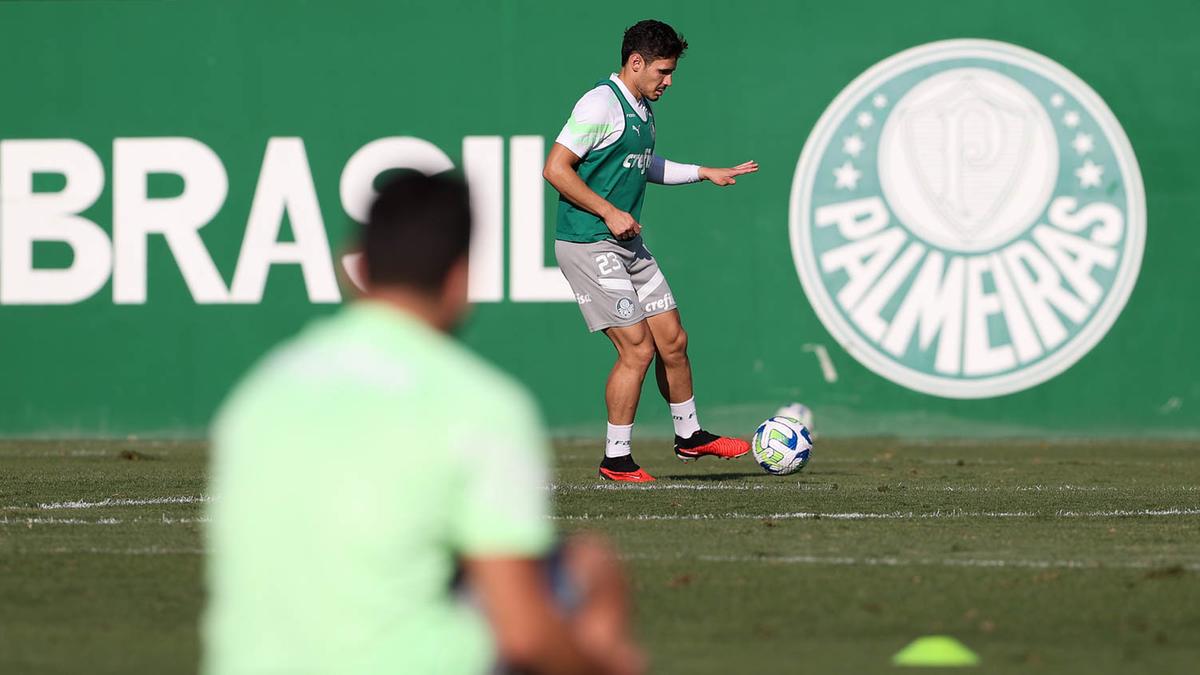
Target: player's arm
<point x="561" y="172"/>
<point x="502" y="532"/>
<point x="530" y="634"/>
<point x="665" y="172"/>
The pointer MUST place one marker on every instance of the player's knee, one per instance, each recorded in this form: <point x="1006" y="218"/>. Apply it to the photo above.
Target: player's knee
<point x="641" y="354"/>
<point x="674" y="347"/>
<point x="681" y="343"/>
<point x="638" y="353"/>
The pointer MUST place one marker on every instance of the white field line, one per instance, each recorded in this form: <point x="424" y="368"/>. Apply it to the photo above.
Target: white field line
<point x="81" y="504"/>
<point x="824" y="459"/>
<point x="897" y="515"/>
<point x="35" y="454"/>
<point x="54" y="453"/>
<point x="152" y="550"/>
<point x="722" y="487"/>
<point x="557" y="487"/>
<point x="788" y="560"/>
<point x="799" y="515"/>
<point x="900" y="487"/>
<point x="915" y="459"/>
<point x="51" y="520"/>
<point x="29" y="522"/>
<point x="923" y="562"/>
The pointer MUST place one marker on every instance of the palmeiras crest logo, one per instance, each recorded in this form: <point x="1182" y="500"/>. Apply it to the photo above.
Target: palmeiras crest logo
<point x="967" y="218"/>
<point x="624" y="308"/>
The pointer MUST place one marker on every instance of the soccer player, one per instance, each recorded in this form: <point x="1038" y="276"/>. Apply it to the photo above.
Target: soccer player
<point x="370" y="458"/>
<point x="600" y="164"/>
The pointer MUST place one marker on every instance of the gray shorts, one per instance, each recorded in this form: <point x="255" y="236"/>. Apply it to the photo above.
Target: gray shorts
<point x="616" y="283"/>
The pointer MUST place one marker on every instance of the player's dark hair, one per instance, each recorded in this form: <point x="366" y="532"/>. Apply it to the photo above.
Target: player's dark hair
<point x="653" y="40"/>
<point x="418" y="227"/>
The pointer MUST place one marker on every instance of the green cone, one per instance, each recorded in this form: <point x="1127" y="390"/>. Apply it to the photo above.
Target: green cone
<point x="935" y="650"/>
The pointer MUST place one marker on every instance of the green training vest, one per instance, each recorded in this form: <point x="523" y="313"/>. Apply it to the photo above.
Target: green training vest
<point x="617" y="173"/>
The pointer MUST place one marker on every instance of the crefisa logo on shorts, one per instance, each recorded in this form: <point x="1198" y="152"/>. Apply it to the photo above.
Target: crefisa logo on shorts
<point x="967" y="218"/>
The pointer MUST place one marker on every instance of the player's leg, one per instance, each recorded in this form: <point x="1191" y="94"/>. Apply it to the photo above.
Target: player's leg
<point x="598" y="273"/>
<point x="674" y="371"/>
<point x="672" y="368"/>
<point x="635" y="351"/>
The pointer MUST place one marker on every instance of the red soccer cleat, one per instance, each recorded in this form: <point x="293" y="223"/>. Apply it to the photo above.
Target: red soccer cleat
<point x="639" y="476"/>
<point x="704" y="444"/>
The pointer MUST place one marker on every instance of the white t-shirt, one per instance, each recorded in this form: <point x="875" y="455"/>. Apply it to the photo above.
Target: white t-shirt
<point x="598" y="120"/>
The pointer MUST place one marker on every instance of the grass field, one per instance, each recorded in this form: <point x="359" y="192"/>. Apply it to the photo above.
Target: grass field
<point x="1056" y="558"/>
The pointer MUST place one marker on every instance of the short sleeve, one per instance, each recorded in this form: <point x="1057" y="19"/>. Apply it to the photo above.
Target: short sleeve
<point x="505" y="504"/>
<point x="594" y="123"/>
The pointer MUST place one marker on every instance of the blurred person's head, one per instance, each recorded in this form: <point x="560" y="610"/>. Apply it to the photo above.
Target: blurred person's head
<point x="650" y="51"/>
<point x="415" y="247"/>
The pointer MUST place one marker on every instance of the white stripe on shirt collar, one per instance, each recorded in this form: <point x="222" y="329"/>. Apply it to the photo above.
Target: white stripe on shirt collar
<point x="639" y="106"/>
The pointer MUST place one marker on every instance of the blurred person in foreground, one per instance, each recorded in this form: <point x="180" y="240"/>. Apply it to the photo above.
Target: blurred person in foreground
<point x="372" y="459"/>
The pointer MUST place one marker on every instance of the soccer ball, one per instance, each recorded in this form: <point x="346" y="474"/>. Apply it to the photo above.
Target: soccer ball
<point x="800" y="412"/>
<point x="782" y="445"/>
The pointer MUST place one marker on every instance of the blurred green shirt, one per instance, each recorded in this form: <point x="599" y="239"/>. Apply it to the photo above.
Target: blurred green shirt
<point x="350" y="469"/>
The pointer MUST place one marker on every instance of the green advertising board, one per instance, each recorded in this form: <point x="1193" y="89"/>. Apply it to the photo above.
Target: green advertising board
<point x="971" y="218"/>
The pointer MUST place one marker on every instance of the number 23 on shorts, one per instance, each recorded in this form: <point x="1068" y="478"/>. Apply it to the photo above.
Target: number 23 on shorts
<point x="608" y="263"/>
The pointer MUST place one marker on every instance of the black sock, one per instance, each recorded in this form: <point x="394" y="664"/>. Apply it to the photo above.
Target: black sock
<point x="624" y="463"/>
<point x="695" y="440"/>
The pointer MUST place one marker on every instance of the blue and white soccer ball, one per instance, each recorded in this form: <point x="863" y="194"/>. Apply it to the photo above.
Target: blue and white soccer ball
<point x="782" y="445"/>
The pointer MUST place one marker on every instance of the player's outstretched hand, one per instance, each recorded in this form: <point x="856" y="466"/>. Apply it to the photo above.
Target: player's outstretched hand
<point x="622" y="225"/>
<point x="726" y="176"/>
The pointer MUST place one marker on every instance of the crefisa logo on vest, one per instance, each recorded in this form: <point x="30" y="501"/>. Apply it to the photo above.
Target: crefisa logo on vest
<point x="968" y="218"/>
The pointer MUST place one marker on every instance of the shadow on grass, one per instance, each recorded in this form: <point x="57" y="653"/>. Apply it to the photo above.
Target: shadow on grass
<point x="716" y="476"/>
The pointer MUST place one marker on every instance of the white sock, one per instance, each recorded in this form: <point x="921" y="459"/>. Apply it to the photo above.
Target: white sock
<point x="618" y="441"/>
<point x="684" y="417"/>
